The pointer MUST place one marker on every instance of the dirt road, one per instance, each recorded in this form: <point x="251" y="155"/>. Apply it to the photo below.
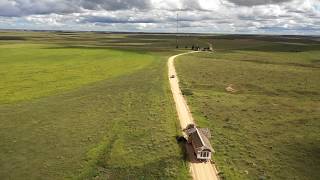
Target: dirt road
<point x="199" y="171"/>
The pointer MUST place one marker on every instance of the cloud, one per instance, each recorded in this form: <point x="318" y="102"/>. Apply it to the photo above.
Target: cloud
<point x="225" y="16"/>
<point x="117" y="20"/>
<point x="29" y="7"/>
<point x="114" y="4"/>
<point x="257" y="2"/>
<point x="32" y="7"/>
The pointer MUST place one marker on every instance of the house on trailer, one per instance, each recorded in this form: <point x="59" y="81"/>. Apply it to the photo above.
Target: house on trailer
<point x="199" y="139"/>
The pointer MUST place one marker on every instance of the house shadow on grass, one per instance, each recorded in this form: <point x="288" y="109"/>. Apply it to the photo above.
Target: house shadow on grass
<point x="187" y="150"/>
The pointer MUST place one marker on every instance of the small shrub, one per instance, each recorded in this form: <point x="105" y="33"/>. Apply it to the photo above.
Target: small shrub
<point x="187" y="92"/>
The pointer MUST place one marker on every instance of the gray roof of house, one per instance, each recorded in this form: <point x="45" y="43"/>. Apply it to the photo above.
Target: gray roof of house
<point x="200" y="140"/>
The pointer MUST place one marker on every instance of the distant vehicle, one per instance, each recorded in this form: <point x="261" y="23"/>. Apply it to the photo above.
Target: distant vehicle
<point x="172" y="76"/>
<point x="199" y="139"/>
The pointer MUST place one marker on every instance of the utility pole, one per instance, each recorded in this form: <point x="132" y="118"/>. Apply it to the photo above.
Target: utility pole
<point x="177" y="45"/>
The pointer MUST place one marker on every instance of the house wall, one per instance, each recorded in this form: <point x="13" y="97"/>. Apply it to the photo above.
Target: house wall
<point x="205" y="152"/>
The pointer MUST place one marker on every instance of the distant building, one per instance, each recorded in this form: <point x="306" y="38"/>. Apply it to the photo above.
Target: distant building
<point x="210" y="46"/>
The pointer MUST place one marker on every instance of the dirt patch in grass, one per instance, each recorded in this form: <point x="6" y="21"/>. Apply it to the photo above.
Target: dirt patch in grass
<point x="231" y="88"/>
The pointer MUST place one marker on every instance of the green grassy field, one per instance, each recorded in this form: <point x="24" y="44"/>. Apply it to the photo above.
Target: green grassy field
<point x="93" y="105"/>
<point x="72" y="109"/>
<point x="269" y="128"/>
<point x="30" y="71"/>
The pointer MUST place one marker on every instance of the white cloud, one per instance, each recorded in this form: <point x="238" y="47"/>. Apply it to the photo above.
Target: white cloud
<point x="227" y="16"/>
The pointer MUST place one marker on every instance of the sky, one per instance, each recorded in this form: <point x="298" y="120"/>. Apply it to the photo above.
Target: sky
<point x="195" y="16"/>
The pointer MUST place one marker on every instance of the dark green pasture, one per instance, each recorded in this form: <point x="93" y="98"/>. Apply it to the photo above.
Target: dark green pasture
<point x="268" y="127"/>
